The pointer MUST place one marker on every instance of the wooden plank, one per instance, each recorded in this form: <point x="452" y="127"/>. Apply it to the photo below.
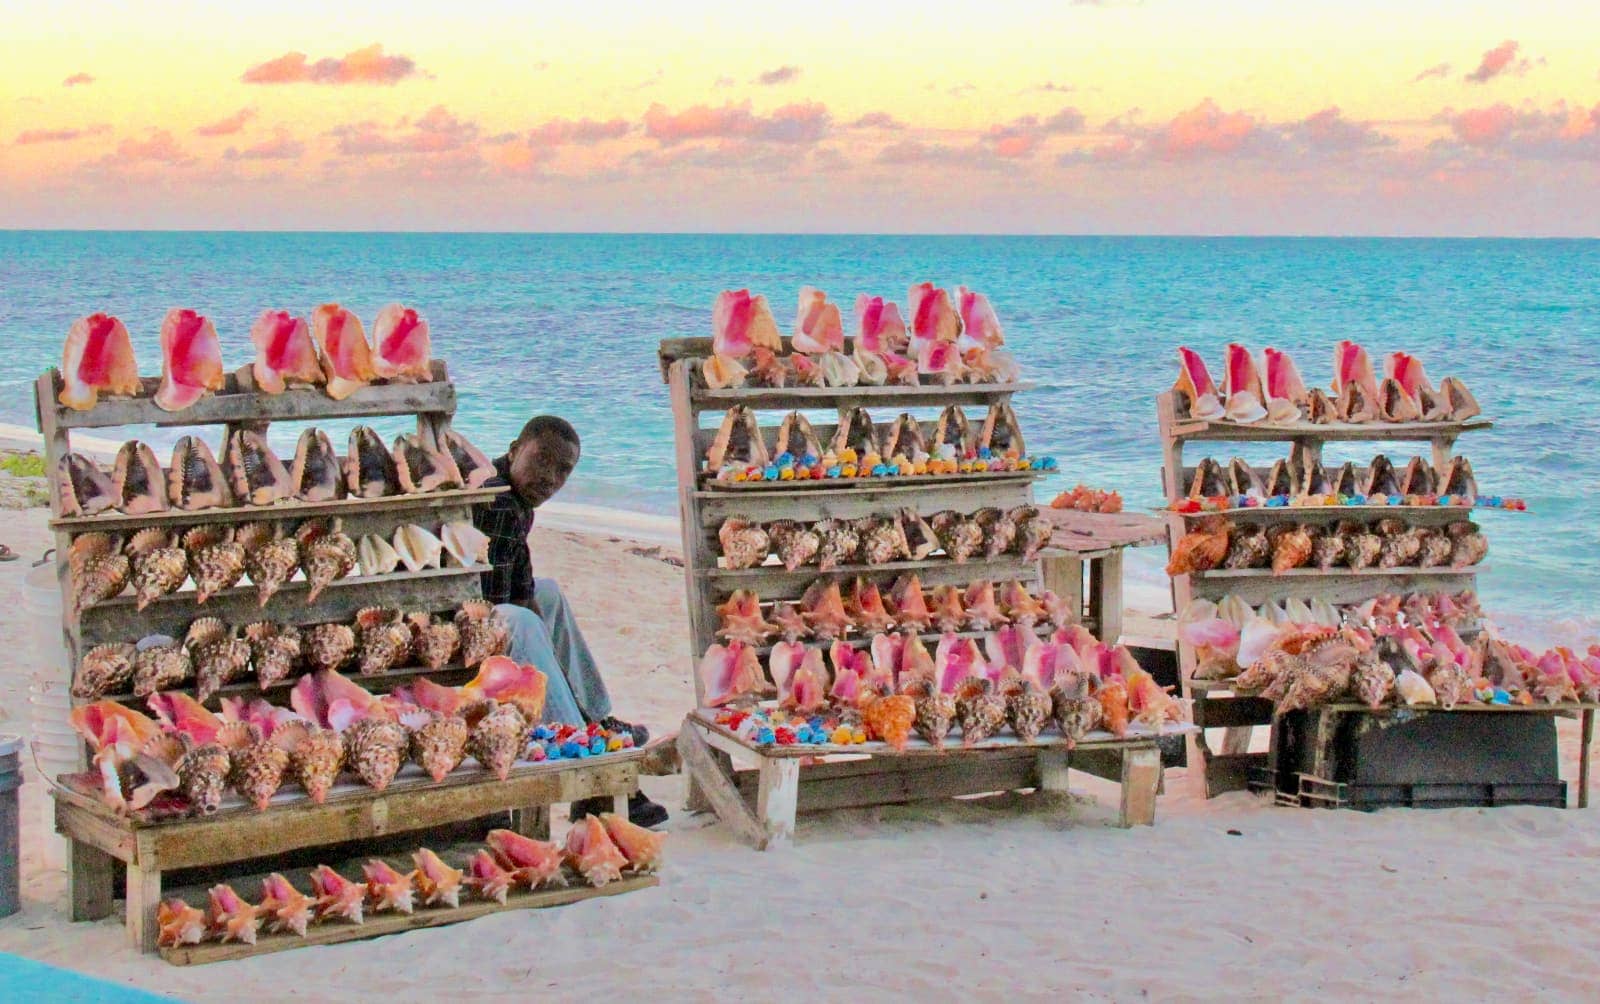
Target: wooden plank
<point x="532" y="821"/>
<point x="889" y="780"/>
<point x="1096" y="531"/>
<point x="1584" y="743"/>
<point x="1430" y="515"/>
<point x="143" y="896"/>
<point x="746" y="488"/>
<point x="89" y="876"/>
<point x="1105" y="596"/>
<point x="1335" y="589"/>
<point x="1334" y="573"/>
<point x="801" y="398"/>
<point x="1063" y="575"/>
<point x="717" y="787"/>
<point x="1231" y="712"/>
<point x="774" y="582"/>
<point x="1334" y="431"/>
<point x="1231" y="772"/>
<point x="91" y="823"/>
<point x="1053" y="770"/>
<point x="854" y="499"/>
<point x="238" y="403"/>
<point x="1141" y="775"/>
<point x="379" y="924"/>
<point x="776" y="799"/>
<point x="394" y="505"/>
<point x="702" y="621"/>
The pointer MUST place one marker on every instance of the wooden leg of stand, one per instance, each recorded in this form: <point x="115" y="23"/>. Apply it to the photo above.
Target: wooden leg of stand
<point x="1141" y="769"/>
<point x="91" y="875"/>
<point x="144" y="894"/>
<point x="1583" y="757"/>
<point x="777" y="798"/>
<point x="533" y="821"/>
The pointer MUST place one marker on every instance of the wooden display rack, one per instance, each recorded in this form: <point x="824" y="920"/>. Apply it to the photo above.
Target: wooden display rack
<point x="1215" y="704"/>
<point x="232" y="836"/>
<point x="761" y="804"/>
<point x="353" y="811"/>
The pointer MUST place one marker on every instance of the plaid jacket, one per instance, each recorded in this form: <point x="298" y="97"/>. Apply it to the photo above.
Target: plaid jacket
<point x="507" y="521"/>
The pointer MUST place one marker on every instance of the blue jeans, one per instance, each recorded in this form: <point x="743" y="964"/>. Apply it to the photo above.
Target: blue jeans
<point x="550" y="639"/>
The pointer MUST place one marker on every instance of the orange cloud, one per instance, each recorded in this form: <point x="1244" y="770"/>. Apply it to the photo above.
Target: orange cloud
<point x="1500" y="60"/>
<point x="782" y="75"/>
<point x="281" y="146"/>
<point x="1020" y="137"/>
<point x="805" y="122"/>
<point x="1204" y="129"/>
<point x="559" y="132"/>
<point x="227" y="126"/>
<point x="878" y="120"/>
<point x="1436" y="70"/>
<point x="1329" y="131"/>
<point x="362" y="66"/>
<point x="28" y="137"/>
<point x="436" y="131"/>
<point x="76" y="79"/>
<point x="158" y="147"/>
<point x="1484" y="127"/>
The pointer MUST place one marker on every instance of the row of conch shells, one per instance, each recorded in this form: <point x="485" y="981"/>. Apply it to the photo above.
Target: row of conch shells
<point x="950" y="340"/>
<point x="332" y="352"/>
<point x="829" y="611"/>
<point x="740" y="441"/>
<point x="1299" y="476"/>
<point x="1391" y="542"/>
<point x="1273" y="393"/>
<point x="212" y="655"/>
<point x="880" y="539"/>
<point x="598" y="850"/>
<point x="1013" y="679"/>
<point x="250" y="474"/>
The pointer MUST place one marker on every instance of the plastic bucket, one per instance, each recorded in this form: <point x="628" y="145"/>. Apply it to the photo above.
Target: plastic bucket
<point x="10" y="825"/>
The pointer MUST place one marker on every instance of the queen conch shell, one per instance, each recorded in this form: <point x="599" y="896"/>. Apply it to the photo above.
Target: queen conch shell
<point x="191" y="360"/>
<point x="137" y="480"/>
<point x="194" y="478"/>
<point x="419" y="467"/>
<point x="475" y="467"/>
<point x="731" y="674"/>
<point x="285" y="354"/>
<point x="740" y="619"/>
<point x="464" y="543"/>
<point x="178" y="923"/>
<point x="533" y="863"/>
<point x="97" y="358"/>
<point x="346" y="354"/>
<point x="287" y="909"/>
<point x="369" y="467"/>
<point x="505" y="681"/>
<point x="255" y="474"/>
<point x="640" y="846"/>
<point x="592" y="853"/>
<point x="417" y="547"/>
<point x="230" y="918"/>
<point x="82" y="489"/>
<point x="401" y="346"/>
<point x="376" y="556"/>
<point x="486" y="875"/>
<point x="337" y="896"/>
<point x="388" y="889"/>
<point x="318" y="472"/>
<point x="738" y="441"/>
<point x="437" y="882"/>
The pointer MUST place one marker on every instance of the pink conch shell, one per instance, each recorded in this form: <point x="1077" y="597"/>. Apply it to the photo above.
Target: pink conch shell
<point x="1406" y="369"/>
<point x="907" y="602"/>
<point x="730" y="673"/>
<point x="806" y="688"/>
<point x="346" y="356"/>
<point x="1149" y="702"/>
<point x="332" y="700"/>
<point x="485" y="875"/>
<point x="1048" y="662"/>
<point x="1351" y="365"/>
<point x="915" y="660"/>
<point x="1196" y="387"/>
<point x="879" y="327"/>
<point x="98" y="357"/>
<point x="722" y="372"/>
<point x="504" y="680"/>
<point x="191" y="360"/>
<point x="285" y="353"/>
<point x="592" y="853"/>
<point x="388" y="889"/>
<point x="866" y="608"/>
<point x="439" y="884"/>
<point x="255" y="711"/>
<point x="533" y="863"/>
<point x="817" y="328"/>
<point x="978" y="322"/>
<point x="286" y="908"/>
<point x="179" y="924"/>
<point x="849" y="666"/>
<point x="740" y="323"/>
<point x="178" y="712"/>
<point x="782" y="661"/>
<point x="424" y="693"/>
<point x="955" y="659"/>
<point x="641" y="847"/>
<point x="230" y="918"/>
<point x="887" y="650"/>
<point x="939" y="360"/>
<point x="1286" y="391"/>
<point x="822" y="606"/>
<point x="336" y="895"/>
<point x="933" y="319"/>
<point x="107" y="724"/>
<point x="1242" y="390"/>
<point x="401" y="346"/>
<point x="1007" y="646"/>
<point x="740" y="619"/>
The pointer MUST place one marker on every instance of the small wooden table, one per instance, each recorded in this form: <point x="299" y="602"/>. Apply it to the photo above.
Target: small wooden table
<point x="1096" y="539"/>
<point x="97" y="834"/>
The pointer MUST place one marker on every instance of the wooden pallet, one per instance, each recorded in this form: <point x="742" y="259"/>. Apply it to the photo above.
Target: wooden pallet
<point x="1233" y="767"/>
<point x="98" y="835"/>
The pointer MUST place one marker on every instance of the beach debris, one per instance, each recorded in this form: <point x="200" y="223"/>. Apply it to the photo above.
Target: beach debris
<point x="191" y="360"/>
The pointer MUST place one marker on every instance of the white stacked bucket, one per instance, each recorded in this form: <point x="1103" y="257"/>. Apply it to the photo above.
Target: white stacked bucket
<point x="55" y="746"/>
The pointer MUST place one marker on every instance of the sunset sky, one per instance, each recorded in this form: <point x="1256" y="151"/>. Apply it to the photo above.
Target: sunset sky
<point x="1165" y="116"/>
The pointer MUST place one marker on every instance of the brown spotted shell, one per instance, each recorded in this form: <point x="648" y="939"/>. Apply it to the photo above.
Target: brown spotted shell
<point x="216" y="560"/>
<point x="217" y="664"/>
<point x="326" y="554"/>
<point x="375" y="750"/>
<point x="274" y="651"/>
<point x="104" y="669"/>
<point x="270" y="564"/>
<point x="794" y="543"/>
<point x="159" y="567"/>
<point x="482" y="632"/>
<point x="1028" y="708"/>
<point x="960" y="536"/>
<point x="328" y="646"/>
<point x="1075" y="710"/>
<point x="98" y="567"/>
<point x="839" y="543"/>
<point x="202" y="774"/>
<point x="980" y="711"/>
<point x="439" y="744"/>
<point x="383" y="640"/>
<point x="433" y="641"/>
<point x="316" y="755"/>
<point x="258" y="765"/>
<point x="497" y="736"/>
<point x="999" y="530"/>
<point x="161" y="667"/>
<point x="936" y="711"/>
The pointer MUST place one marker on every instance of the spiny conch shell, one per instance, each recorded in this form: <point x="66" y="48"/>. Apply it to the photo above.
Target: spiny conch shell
<point x="195" y="480"/>
<point x="258" y="763"/>
<point x="959" y="535"/>
<point x="999" y="530"/>
<point x="97" y="576"/>
<point x="438" y="742"/>
<point x="217" y="663"/>
<point x="486" y="875"/>
<point x="497" y="736"/>
<point x="1074" y="707"/>
<point x="179" y="924"/>
<point x="1033" y="531"/>
<point x="137" y="480"/>
<point x="981" y="711"/>
<point x="160" y="666"/>
<point x="383" y="640"/>
<point x="203" y="773"/>
<point x="434" y="641"/>
<point x="216" y="560"/>
<point x="82" y="489"/>
<point x="794" y="543"/>
<point x="592" y="853"/>
<point x="159" y="567"/>
<point x="369" y="470"/>
<point x="255" y="474"/>
<point x="318" y="474"/>
<point x="328" y="646"/>
<point x="418" y="548"/>
<point x="315" y="755"/>
<point x="230" y="918"/>
<point x="482" y="632"/>
<point x="274" y="651"/>
<point x="439" y="884"/>
<point x="375" y="556"/>
<point x="270" y="558"/>
<point x="935" y="711"/>
<point x="388" y="889"/>
<point x="474" y="465"/>
<point x="839" y="543"/>
<point x="532" y="862"/>
<point x="882" y="540"/>
<point x="744" y="544"/>
<point x="375" y="750"/>
<point x="1028" y="707"/>
<point x="420" y="468"/>
<point x="465" y="544"/>
<point x="640" y="846"/>
<point x="104" y="669"/>
<point x="920" y="538"/>
<point x="287" y="909"/>
<point x="336" y="895"/>
<point x="327" y="554"/>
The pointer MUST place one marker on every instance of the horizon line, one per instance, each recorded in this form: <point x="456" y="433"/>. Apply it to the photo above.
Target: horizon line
<point x="807" y="233"/>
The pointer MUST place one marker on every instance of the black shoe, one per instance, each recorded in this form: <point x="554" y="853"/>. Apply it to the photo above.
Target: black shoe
<point x="641" y="735"/>
<point x="591" y="807"/>
<point x="645" y="813"/>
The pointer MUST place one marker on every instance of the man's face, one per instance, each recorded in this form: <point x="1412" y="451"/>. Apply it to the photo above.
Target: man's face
<point x="540" y="466"/>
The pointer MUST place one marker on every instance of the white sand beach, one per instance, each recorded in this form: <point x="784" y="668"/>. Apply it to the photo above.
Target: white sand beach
<point x="998" y="897"/>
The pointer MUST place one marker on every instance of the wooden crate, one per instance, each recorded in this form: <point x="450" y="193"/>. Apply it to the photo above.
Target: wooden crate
<point x="1234" y="767"/>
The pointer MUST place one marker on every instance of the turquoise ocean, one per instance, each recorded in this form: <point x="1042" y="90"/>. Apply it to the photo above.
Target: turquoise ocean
<point x="569" y="324"/>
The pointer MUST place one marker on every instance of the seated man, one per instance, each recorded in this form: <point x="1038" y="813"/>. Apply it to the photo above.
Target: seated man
<point x="543" y="629"/>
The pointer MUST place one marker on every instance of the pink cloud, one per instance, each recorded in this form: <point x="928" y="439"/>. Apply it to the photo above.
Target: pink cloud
<point x="878" y="120"/>
<point x="1329" y="131"/>
<point x="782" y="75"/>
<point x="437" y="131"/>
<point x="361" y="66"/>
<point x="159" y="147"/>
<point x="1562" y="133"/>
<point x="559" y="132"/>
<point x="1436" y="70"/>
<point x="1484" y="127"/>
<point x="806" y="122"/>
<point x="77" y="79"/>
<point x="1204" y="129"/>
<point x="29" y="137"/>
<point x="1020" y="137"/>
<point x="227" y="126"/>
<point x="282" y="146"/>
<point x="1501" y="60"/>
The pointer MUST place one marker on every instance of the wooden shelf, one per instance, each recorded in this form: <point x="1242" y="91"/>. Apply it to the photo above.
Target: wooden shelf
<point x="1192" y="429"/>
<point x="453" y="674"/>
<point x="1041" y="629"/>
<point x="712" y="486"/>
<point x="236" y="402"/>
<point x="1330" y="513"/>
<point x="1335" y="573"/>
<point x="396" y="580"/>
<point x="898" y="396"/>
<point x="281" y="511"/>
<point x="774" y="582"/>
